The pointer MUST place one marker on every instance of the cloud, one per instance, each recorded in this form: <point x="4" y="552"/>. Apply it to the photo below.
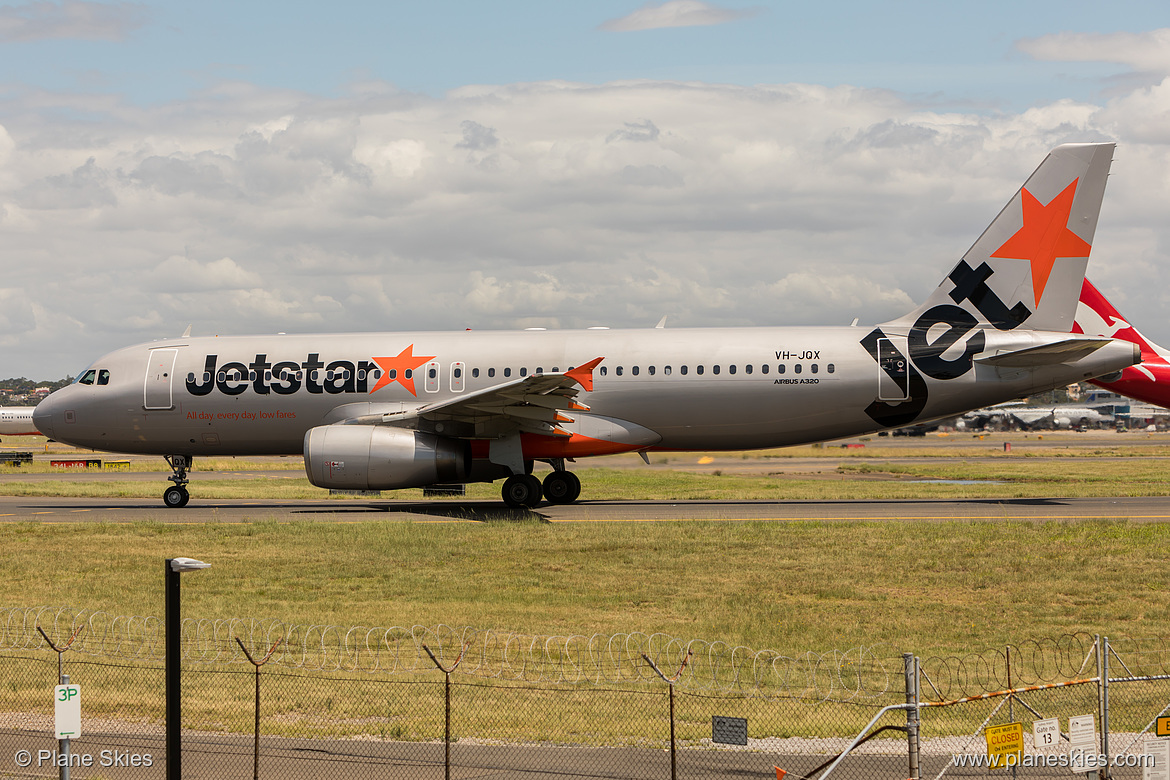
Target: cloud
<point x="192" y="275"/>
<point x="87" y="186"/>
<point x="75" y="19"/>
<point x="477" y="137"/>
<point x="644" y="130"/>
<point x="243" y="209"/>
<point x="1144" y="51"/>
<point x="675" y="13"/>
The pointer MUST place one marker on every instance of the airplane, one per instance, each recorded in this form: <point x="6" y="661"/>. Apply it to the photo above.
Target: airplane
<point x="384" y="411"/>
<point x="17" y="421"/>
<point x="1149" y="380"/>
<point x="1052" y="415"/>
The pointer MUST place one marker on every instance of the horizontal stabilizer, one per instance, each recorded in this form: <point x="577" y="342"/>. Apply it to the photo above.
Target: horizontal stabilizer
<point x="1068" y="351"/>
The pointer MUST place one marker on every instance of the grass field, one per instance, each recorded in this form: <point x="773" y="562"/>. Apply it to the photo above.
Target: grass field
<point x="933" y="588"/>
<point x="787" y="586"/>
<point x="784" y="586"/>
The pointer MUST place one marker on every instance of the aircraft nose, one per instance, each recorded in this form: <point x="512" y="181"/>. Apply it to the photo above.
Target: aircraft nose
<point x="43" y="417"/>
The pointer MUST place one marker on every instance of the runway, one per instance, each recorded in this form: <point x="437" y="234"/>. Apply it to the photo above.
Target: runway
<point x="132" y="510"/>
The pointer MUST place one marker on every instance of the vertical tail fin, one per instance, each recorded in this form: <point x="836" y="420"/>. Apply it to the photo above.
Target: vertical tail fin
<point x="1149" y="380"/>
<point x="1027" y="267"/>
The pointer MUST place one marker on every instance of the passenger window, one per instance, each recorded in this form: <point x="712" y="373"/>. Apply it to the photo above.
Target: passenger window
<point x="683" y="370"/>
<point x="714" y="369"/>
<point x="604" y="371"/>
<point x="748" y="368"/>
<point x="408" y="373"/>
<point x="651" y="370"/>
<point x="699" y="370"/>
<point x="814" y="368"/>
<point x="780" y="369"/>
<point x="831" y="368"/>
<point x="432" y="373"/>
<point x="764" y="369"/>
<point x="507" y="372"/>
<point x="539" y="370"/>
<point x="524" y="372"/>
<point x="393" y="373"/>
<point x="618" y="370"/>
<point x="666" y="370"/>
<point x="491" y="372"/>
<point x="634" y="370"/>
<point x="797" y="368"/>
<point x="556" y="370"/>
<point x="475" y="373"/>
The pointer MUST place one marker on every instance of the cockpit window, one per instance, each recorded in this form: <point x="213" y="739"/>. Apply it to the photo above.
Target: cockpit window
<point x="99" y="375"/>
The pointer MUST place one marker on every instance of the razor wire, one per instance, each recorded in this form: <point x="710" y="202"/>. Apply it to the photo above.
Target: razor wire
<point x="1031" y="662"/>
<point x="855" y="675"/>
<point x="858" y="674"/>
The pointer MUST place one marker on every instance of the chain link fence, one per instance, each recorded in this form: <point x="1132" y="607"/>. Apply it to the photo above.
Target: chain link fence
<point x="264" y="698"/>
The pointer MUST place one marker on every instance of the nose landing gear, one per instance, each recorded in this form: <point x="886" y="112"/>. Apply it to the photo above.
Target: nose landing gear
<point x="177" y="496"/>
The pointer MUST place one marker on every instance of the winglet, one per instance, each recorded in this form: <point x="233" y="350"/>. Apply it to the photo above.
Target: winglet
<point x="583" y="375"/>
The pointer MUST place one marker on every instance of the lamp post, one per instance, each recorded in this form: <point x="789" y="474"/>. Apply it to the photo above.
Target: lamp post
<point x="174" y="661"/>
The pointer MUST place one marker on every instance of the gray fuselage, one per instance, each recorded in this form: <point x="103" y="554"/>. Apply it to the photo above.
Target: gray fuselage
<point x="708" y="389"/>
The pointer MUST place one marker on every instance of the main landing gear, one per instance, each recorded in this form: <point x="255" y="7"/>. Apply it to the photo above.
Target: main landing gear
<point x="176" y="495"/>
<point x="525" y="490"/>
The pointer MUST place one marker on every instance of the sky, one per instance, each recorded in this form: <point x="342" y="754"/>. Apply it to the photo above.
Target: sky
<point x="268" y="167"/>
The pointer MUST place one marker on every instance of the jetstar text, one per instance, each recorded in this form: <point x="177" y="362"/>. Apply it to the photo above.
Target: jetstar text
<point x="284" y="377"/>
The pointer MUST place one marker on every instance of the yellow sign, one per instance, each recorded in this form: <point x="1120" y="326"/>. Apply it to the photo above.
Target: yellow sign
<point x="1005" y="744"/>
<point x="1162" y="727"/>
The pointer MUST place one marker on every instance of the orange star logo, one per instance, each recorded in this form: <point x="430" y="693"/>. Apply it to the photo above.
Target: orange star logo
<point x="1044" y="237"/>
<point x="400" y="368"/>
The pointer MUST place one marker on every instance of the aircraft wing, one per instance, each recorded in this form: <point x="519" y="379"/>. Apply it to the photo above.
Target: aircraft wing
<point x="1031" y="416"/>
<point x="533" y="404"/>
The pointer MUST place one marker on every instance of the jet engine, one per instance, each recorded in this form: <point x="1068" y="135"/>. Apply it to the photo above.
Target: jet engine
<point x="376" y="457"/>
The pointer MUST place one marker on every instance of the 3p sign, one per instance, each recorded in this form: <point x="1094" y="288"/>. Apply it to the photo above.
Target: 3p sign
<point x="67" y="711"/>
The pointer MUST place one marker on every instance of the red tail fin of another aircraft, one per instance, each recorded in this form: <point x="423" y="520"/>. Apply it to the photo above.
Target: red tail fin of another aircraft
<point x="1149" y="380"/>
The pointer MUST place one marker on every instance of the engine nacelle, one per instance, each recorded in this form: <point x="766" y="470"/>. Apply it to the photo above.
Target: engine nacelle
<point x="376" y="457"/>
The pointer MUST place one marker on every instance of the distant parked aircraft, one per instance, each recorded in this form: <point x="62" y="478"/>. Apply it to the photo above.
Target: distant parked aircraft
<point x="17" y="421"/>
<point x="396" y="410"/>
<point x="1052" y="415"/>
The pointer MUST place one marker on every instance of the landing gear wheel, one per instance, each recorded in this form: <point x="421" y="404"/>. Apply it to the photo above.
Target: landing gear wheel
<point x="522" y="490"/>
<point x="562" y="487"/>
<point x="176" y="496"/>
